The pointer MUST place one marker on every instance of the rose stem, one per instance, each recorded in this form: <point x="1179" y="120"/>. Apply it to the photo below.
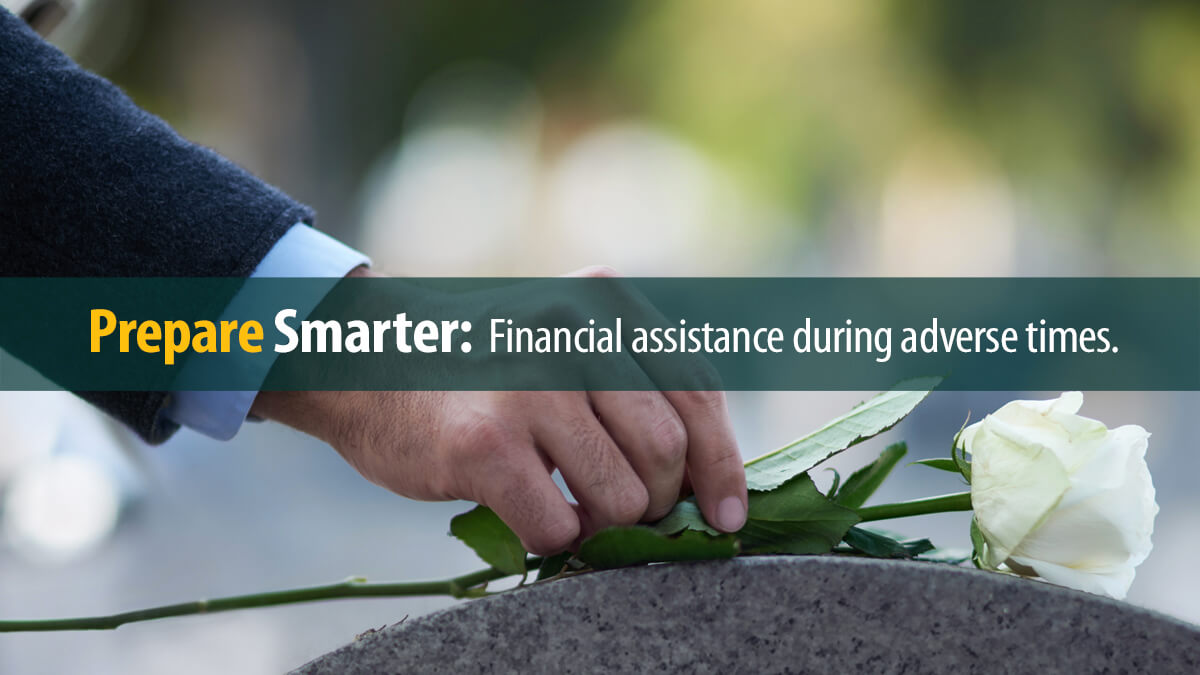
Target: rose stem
<point x="959" y="501"/>
<point x="464" y="586"/>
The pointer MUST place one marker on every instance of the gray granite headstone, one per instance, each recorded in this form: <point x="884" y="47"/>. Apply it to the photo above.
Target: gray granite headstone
<point x="778" y="615"/>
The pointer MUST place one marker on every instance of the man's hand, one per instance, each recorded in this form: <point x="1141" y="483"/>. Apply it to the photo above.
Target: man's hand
<point x="623" y="454"/>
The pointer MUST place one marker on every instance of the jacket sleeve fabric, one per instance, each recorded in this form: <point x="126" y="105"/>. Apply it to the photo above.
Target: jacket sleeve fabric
<point x="92" y="185"/>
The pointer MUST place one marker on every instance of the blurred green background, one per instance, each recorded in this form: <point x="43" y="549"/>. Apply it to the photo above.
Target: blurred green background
<point x="691" y="137"/>
<point x="856" y="137"/>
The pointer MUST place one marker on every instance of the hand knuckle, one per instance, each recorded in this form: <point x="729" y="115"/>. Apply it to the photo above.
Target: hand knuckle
<point x="591" y="440"/>
<point x="659" y="511"/>
<point x="630" y="504"/>
<point x="477" y="452"/>
<point x="542" y="530"/>
<point x="704" y="400"/>
<point x="668" y="441"/>
<point x="555" y="539"/>
<point x="482" y="437"/>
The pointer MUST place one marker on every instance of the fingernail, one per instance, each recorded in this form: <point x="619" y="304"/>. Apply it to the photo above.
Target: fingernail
<point x="731" y="514"/>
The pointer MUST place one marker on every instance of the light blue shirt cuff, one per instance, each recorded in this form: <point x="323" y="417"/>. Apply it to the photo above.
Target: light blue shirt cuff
<point x="301" y="252"/>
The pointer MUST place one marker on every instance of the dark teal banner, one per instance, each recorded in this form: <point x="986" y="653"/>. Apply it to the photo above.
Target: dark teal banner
<point x="665" y="333"/>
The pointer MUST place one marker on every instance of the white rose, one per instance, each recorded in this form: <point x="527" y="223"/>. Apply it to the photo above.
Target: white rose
<point x="1060" y="496"/>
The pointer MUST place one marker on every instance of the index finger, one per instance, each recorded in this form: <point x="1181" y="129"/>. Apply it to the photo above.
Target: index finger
<point x="714" y="462"/>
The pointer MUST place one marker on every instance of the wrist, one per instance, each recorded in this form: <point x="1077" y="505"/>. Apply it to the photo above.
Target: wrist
<point x="322" y="414"/>
<point x="318" y="413"/>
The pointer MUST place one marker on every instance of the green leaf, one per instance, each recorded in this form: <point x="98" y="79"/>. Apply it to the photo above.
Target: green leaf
<point x="785" y="538"/>
<point x="685" y="516"/>
<point x="863" y="483"/>
<point x="962" y="464"/>
<point x="865" y="421"/>
<point x="874" y="544"/>
<point x="948" y="556"/>
<point x="794" y="518"/>
<point x="880" y="545"/>
<point x="978" y="544"/>
<point x="552" y="565"/>
<point x="917" y="547"/>
<point x="491" y="539"/>
<point x="959" y="455"/>
<point x="939" y="463"/>
<point x="837" y="481"/>
<point x="624" y="546"/>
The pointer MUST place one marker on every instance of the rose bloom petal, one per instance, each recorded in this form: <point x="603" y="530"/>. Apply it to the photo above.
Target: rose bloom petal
<point x="1059" y="495"/>
<point x="1013" y="488"/>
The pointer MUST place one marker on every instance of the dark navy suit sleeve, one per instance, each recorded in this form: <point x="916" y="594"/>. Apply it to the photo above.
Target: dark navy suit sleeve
<point x="92" y="185"/>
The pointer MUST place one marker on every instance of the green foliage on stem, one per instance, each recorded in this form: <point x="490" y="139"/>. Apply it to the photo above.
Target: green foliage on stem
<point x="787" y="514"/>
<point x="470" y="585"/>
<point x="958" y="454"/>
<point x="553" y="565"/>
<point x="946" y="556"/>
<point x="957" y="462"/>
<point x="867" y="420"/>
<point x="837" y="481"/>
<point x="939" y="463"/>
<point x="880" y="545"/>
<point x="978" y="545"/>
<point x="624" y="546"/>
<point x="794" y="518"/>
<point x="685" y="516"/>
<point x="498" y="546"/>
<point x="863" y="483"/>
